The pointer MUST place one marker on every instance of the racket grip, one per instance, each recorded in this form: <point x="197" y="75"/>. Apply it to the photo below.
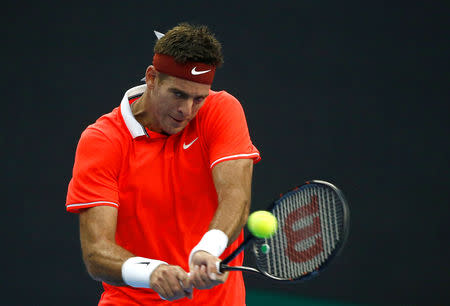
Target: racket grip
<point x="219" y="267"/>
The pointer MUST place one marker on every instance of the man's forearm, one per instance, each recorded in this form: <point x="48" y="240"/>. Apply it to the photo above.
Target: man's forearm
<point x="104" y="262"/>
<point x="232" y="214"/>
<point x="232" y="180"/>
<point x="102" y="256"/>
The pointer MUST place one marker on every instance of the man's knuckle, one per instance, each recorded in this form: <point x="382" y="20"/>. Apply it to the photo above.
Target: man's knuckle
<point x="165" y="273"/>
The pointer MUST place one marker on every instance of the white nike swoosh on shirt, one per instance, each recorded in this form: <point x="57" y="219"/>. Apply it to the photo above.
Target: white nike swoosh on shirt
<point x="185" y="146"/>
<point x="195" y="72"/>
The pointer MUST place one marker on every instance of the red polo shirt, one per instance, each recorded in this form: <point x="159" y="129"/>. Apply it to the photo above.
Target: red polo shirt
<point x="162" y="186"/>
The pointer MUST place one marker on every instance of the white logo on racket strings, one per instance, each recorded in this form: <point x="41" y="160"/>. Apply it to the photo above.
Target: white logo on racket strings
<point x="195" y="72"/>
<point x="186" y="146"/>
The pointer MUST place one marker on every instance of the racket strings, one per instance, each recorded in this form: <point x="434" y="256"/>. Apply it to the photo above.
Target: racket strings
<point x="310" y="226"/>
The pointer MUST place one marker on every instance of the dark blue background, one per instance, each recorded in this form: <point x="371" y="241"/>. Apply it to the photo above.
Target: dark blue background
<point x="355" y="93"/>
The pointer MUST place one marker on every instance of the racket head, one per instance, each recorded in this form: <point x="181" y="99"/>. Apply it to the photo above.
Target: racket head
<point x="313" y="226"/>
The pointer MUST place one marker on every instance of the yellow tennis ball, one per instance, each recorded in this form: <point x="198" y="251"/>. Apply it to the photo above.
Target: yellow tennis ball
<point x="262" y="224"/>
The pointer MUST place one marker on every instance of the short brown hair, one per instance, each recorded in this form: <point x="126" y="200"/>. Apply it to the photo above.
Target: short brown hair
<point x="190" y="43"/>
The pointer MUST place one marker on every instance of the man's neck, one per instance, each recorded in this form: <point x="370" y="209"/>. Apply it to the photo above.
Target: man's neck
<point x="140" y="112"/>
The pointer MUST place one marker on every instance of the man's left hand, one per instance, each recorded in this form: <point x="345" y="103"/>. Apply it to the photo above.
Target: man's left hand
<point x="203" y="271"/>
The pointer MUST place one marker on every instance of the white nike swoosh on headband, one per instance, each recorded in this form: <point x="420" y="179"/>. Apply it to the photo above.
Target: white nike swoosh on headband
<point x="195" y="72"/>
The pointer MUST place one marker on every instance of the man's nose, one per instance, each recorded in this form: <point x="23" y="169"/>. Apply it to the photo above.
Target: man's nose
<point x="185" y="107"/>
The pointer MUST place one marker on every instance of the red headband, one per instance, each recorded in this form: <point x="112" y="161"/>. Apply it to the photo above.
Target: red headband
<point x="192" y="71"/>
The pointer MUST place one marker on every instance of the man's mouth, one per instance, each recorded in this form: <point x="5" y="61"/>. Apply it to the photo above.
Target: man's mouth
<point x="177" y="120"/>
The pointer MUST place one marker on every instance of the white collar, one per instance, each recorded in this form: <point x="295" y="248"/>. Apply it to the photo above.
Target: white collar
<point x="135" y="128"/>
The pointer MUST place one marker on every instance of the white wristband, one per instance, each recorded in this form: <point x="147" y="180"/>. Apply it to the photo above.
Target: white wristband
<point x="136" y="271"/>
<point x="214" y="242"/>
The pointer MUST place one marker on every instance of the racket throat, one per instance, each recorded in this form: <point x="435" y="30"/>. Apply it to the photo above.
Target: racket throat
<point x="239" y="268"/>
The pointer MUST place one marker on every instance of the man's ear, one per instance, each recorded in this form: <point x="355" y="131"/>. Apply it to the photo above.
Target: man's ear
<point x="150" y="76"/>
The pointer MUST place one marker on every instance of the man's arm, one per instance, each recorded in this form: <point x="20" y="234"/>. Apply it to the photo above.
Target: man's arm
<point x="104" y="258"/>
<point x="232" y="180"/>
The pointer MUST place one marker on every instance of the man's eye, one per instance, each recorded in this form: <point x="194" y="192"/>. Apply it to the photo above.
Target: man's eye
<point x="199" y="100"/>
<point x="178" y="94"/>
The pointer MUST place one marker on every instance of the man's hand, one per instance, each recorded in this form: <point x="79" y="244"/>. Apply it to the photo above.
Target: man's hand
<point x="203" y="271"/>
<point x="171" y="282"/>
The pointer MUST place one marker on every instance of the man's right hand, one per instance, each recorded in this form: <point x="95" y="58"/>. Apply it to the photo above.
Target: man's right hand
<point x="171" y="282"/>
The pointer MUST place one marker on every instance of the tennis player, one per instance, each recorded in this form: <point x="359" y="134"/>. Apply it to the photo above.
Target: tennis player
<point x="162" y="184"/>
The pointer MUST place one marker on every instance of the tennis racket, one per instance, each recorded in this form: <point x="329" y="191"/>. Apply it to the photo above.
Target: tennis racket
<point x="313" y="225"/>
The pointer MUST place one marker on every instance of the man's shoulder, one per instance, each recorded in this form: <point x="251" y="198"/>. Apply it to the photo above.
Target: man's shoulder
<point x="110" y="126"/>
<point x="219" y="100"/>
<point x="222" y="95"/>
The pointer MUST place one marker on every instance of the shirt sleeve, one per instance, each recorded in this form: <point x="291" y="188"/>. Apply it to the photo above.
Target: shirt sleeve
<point x="226" y="131"/>
<point x="95" y="172"/>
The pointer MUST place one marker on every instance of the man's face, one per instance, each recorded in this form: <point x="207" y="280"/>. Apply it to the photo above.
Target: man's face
<point x="174" y="102"/>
